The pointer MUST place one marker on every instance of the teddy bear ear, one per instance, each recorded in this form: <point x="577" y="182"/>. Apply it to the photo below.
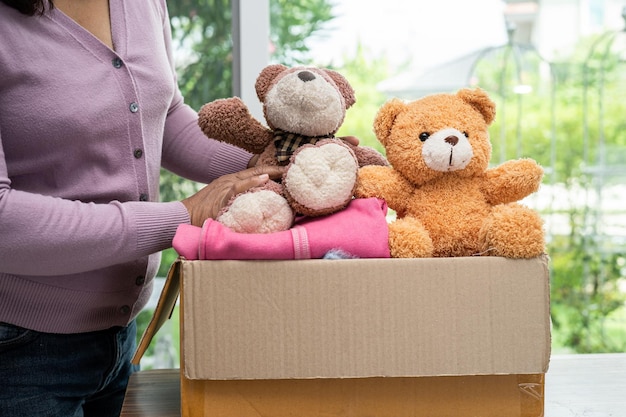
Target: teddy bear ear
<point x="265" y="78"/>
<point x="385" y="118"/>
<point x="480" y="100"/>
<point x="344" y="87"/>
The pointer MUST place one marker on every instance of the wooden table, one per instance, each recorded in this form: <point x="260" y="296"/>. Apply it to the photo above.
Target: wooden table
<point x="576" y="386"/>
<point x="154" y="393"/>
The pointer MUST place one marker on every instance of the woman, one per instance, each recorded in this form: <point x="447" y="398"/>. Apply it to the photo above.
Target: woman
<point x="89" y="112"/>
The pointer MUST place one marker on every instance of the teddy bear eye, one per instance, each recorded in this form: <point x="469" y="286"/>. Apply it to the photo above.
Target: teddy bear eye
<point x="465" y="134"/>
<point x="424" y="136"/>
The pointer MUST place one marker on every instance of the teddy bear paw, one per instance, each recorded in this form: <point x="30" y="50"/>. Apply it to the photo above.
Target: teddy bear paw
<point x="513" y="231"/>
<point x="408" y="238"/>
<point x="321" y="178"/>
<point x="258" y="211"/>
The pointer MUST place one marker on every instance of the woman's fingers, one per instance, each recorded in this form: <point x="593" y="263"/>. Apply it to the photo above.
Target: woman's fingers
<point x="210" y="200"/>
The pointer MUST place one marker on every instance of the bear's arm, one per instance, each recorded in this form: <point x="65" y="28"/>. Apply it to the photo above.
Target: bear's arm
<point x="512" y="181"/>
<point x="228" y="120"/>
<point x="367" y="155"/>
<point x="385" y="183"/>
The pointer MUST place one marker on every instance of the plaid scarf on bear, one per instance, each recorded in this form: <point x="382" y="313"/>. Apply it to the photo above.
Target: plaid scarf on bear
<point x="286" y="143"/>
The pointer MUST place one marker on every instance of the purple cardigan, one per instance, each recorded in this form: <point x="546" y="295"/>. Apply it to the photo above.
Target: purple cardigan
<point x="84" y="131"/>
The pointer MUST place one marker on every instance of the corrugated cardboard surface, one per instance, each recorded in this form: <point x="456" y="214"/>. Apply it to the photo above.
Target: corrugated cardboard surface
<point x="364" y="318"/>
<point x="462" y="396"/>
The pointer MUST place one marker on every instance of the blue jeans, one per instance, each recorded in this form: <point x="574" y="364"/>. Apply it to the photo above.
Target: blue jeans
<point x="64" y="375"/>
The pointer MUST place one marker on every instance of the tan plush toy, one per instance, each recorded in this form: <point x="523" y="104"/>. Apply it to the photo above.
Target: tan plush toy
<point x="303" y="107"/>
<point x="448" y="201"/>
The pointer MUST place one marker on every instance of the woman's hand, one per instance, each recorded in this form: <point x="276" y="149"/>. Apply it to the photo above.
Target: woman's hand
<point x="208" y="202"/>
<point x="252" y="162"/>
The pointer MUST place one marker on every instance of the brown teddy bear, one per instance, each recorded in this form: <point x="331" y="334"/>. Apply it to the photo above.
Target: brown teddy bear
<point x="447" y="199"/>
<point x="303" y="107"/>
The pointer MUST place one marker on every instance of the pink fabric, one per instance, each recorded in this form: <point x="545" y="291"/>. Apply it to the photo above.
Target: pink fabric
<point x="360" y="230"/>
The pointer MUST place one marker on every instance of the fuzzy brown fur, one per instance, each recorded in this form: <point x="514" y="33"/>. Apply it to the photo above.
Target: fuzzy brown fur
<point x="448" y="201"/>
<point x="303" y="107"/>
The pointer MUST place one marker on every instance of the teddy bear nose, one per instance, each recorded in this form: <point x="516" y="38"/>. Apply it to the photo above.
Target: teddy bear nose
<point x="452" y="140"/>
<point x="306" y="76"/>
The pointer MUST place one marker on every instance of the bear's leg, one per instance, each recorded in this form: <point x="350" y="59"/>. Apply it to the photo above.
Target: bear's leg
<point x="260" y="210"/>
<point x="408" y="238"/>
<point x="321" y="179"/>
<point x="512" y="231"/>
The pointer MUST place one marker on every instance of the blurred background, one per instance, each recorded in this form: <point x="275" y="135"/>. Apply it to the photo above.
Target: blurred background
<point x="556" y="70"/>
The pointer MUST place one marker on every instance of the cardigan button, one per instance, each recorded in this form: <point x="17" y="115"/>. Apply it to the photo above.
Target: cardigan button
<point x="117" y="63"/>
<point x="134" y="107"/>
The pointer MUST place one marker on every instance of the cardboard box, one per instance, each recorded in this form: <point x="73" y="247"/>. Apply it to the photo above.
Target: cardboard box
<point x="367" y="337"/>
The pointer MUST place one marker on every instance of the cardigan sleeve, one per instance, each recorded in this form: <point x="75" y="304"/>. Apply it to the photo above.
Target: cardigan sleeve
<point x="190" y="154"/>
<point x="44" y="235"/>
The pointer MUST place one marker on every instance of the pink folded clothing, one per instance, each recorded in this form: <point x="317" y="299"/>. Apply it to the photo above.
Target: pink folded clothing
<point x="359" y="230"/>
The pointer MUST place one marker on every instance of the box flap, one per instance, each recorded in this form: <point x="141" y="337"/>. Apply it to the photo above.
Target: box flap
<point x="365" y="317"/>
<point x="165" y="307"/>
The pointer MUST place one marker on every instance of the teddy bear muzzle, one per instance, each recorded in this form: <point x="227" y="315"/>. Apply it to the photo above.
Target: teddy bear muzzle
<point x="447" y="150"/>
